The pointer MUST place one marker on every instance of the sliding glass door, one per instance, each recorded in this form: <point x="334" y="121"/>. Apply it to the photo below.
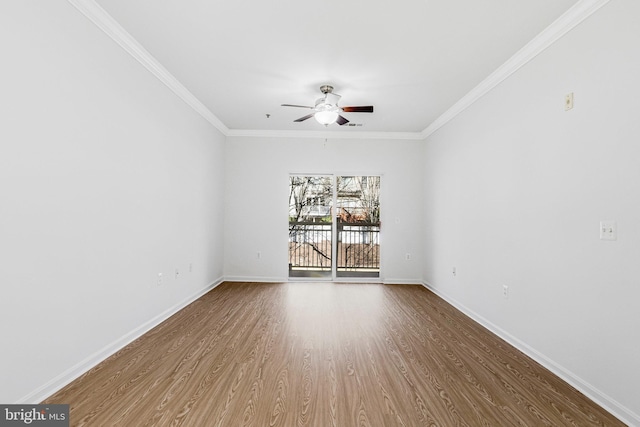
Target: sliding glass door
<point x="334" y="226"/>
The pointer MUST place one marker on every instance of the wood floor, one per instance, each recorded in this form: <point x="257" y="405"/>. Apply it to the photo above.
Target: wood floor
<point x="323" y="354"/>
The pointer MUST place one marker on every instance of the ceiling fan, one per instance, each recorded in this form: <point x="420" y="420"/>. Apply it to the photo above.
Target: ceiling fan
<point x="327" y="111"/>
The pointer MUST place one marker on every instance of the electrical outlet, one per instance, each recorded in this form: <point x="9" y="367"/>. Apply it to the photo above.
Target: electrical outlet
<point x="568" y="101"/>
<point x="407" y="257"/>
<point x="505" y="291"/>
<point x="453" y="271"/>
<point x="159" y="281"/>
<point x="608" y="230"/>
<point x="177" y="273"/>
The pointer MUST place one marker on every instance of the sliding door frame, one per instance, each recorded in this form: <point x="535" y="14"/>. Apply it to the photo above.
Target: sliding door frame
<point x="334" y="230"/>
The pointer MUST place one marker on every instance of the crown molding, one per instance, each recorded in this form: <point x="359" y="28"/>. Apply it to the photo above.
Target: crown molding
<point x="110" y="26"/>
<point x="415" y="136"/>
<point x="565" y="23"/>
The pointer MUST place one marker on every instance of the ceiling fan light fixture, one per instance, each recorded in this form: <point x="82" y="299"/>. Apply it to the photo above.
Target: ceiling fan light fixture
<point x="326" y="110"/>
<point x="326" y="117"/>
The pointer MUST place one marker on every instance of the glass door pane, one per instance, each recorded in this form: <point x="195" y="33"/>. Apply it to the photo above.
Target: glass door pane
<point x="358" y="226"/>
<point x="310" y="226"/>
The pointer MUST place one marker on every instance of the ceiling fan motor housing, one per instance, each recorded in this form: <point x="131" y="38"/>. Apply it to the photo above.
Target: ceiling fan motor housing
<point x="326" y="89"/>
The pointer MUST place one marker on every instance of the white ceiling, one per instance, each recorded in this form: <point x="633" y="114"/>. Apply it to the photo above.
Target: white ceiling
<point x="411" y="59"/>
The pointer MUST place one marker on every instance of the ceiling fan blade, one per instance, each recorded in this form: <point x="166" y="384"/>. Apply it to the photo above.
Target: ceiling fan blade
<point x="293" y="105"/>
<point x="341" y="120"/>
<point x="361" y="109"/>
<point x="302" y="119"/>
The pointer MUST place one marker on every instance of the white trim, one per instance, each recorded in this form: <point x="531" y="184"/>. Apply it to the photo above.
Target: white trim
<point x="255" y="279"/>
<point x="565" y="23"/>
<point x="575" y="15"/>
<point x="372" y="280"/>
<point x="110" y="26"/>
<point x="302" y="279"/>
<point x="55" y="384"/>
<point x="624" y="414"/>
<point x="392" y="281"/>
<point x="325" y="134"/>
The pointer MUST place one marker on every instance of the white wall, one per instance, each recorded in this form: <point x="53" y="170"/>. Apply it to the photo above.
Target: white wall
<point x="515" y="188"/>
<point x="257" y="178"/>
<point x="107" y="178"/>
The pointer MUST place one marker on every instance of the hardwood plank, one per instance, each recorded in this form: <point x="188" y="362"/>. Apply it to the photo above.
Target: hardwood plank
<point x="323" y="354"/>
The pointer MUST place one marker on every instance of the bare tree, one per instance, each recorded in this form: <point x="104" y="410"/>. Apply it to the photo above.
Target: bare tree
<point x="309" y="200"/>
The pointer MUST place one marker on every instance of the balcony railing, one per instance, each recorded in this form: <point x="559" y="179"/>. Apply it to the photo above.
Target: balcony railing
<point x="358" y="248"/>
<point x="310" y="246"/>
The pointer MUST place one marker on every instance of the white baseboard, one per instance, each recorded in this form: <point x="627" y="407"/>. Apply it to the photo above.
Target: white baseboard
<point x="47" y="389"/>
<point x="255" y="279"/>
<point x="611" y="405"/>
<point x="391" y="281"/>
